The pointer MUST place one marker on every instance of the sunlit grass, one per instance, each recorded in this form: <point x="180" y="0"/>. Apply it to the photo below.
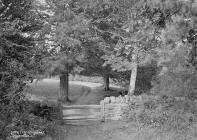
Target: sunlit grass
<point x="49" y="88"/>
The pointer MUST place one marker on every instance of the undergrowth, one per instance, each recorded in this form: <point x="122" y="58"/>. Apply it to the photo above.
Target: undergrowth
<point x="35" y="120"/>
<point x="163" y="118"/>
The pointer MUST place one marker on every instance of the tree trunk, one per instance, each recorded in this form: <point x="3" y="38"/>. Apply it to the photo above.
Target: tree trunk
<point x="106" y="82"/>
<point x="64" y="87"/>
<point x="133" y="80"/>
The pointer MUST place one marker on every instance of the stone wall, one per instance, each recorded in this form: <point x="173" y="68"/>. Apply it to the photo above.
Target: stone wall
<point x="117" y="100"/>
<point x="113" y="108"/>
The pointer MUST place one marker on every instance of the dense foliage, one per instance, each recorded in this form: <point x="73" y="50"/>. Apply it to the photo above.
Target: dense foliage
<point x="164" y="118"/>
<point x="122" y="36"/>
<point x="21" y="28"/>
<point x="176" y="54"/>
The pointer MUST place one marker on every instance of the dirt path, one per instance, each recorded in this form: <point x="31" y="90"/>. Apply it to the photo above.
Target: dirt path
<point x="104" y="131"/>
<point x="90" y="95"/>
<point x="79" y="92"/>
<point x="95" y="94"/>
<point x="112" y="130"/>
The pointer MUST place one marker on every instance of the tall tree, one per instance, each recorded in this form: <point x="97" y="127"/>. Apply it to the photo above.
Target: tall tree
<point x="93" y="63"/>
<point x="101" y="25"/>
<point x="19" y="60"/>
<point x="67" y="31"/>
<point x="128" y="34"/>
<point x="124" y="28"/>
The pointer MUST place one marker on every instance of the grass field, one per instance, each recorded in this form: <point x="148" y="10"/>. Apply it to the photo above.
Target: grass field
<point x="49" y="88"/>
<point x="80" y="92"/>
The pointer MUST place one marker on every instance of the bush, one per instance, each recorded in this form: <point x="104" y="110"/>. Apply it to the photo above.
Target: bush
<point x="158" y="118"/>
<point x="26" y="117"/>
<point x="48" y="111"/>
<point x="177" y="76"/>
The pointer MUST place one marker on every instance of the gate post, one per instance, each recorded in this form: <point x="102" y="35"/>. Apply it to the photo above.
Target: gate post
<point x="102" y="103"/>
<point x="60" y="111"/>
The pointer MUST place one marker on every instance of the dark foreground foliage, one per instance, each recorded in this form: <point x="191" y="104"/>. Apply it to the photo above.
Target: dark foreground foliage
<point x="28" y="116"/>
<point x="20" y="55"/>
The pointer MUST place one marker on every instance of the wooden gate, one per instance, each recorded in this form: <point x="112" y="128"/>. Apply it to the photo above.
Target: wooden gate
<point x="86" y="114"/>
<point x="81" y="114"/>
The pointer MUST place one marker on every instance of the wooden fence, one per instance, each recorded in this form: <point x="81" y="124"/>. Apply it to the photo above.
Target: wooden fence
<point x="85" y="114"/>
<point x="81" y="114"/>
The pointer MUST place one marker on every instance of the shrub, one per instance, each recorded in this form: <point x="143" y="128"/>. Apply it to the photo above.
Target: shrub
<point x="49" y="111"/>
<point x="177" y="76"/>
<point x="164" y="118"/>
<point x="23" y="118"/>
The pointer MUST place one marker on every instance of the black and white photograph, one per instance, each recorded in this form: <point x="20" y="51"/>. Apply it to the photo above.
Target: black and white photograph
<point x="98" y="69"/>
